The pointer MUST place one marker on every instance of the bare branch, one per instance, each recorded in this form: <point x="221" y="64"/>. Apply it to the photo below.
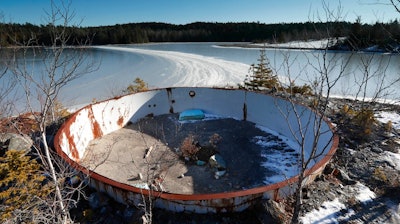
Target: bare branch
<point x="42" y="72"/>
<point x="396" y="4"/>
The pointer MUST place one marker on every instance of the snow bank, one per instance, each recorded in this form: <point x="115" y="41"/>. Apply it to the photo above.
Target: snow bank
<point x="311" y="44"/>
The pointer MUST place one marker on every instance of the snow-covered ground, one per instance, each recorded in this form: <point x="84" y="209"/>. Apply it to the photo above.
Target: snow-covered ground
<point x="392" y="158"/>
<point x="335" y="211"/>
<point x="392" y="116"/>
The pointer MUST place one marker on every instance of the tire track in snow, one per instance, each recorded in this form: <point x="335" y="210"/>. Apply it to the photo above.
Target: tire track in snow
<point x="193" y="69"/>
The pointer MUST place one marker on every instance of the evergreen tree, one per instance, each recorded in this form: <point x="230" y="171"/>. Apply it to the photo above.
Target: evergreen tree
<point x="138" y="86"/>
<point x="22" y="188"/>
<point x="261" y="76"/>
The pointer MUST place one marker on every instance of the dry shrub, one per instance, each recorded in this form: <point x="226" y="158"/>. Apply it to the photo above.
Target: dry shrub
<point x="360" y="122"/>
<point x="352" y="201"/>
<point x="138" y="86"/>
<point x="380" y="175"/>
<point x="365" y="120"/>
<point x="389" y="126"/>
<point x="189" y="147"/>
<point x="304" y="90"/>
<point x="215" y="139"/>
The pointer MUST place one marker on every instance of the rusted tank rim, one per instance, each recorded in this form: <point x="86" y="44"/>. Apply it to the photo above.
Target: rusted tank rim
<point x="313" y="171"/>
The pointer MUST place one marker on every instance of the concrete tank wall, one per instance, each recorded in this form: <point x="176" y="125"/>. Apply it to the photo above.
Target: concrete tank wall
<point x="94" y="121"/>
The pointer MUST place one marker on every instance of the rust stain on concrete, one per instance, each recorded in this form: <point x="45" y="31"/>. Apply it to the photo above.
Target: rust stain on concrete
<point x="70" y="139"/>
<point x="96" y="129"/>
<point x="120" y="121"/>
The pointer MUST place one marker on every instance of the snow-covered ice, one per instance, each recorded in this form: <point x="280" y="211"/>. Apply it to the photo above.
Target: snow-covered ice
<point x="193" y="69"/>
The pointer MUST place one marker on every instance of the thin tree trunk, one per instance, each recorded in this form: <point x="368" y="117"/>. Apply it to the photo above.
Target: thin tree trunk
<point x="298" y="197"/>
<point x="64" y="212"/>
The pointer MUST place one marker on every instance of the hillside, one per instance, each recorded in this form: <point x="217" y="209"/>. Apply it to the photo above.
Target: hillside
<point x="382" y="36"/>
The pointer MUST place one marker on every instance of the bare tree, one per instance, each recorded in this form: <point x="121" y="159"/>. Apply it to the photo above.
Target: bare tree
<point x="7" y="81"/>
<point x="7" y="84"/>
<point x="327" y="70"/>
<point x="306" y="127"/>
<point x="312" y="123"/>
<point x="42" y="71"/>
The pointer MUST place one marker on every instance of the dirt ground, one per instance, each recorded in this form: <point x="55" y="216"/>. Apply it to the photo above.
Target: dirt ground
<point x="124" y="155"/>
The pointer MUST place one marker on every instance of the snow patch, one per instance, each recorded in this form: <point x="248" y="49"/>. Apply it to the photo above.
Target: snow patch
<point x="280" y="153"/>
<point x="329" y="212"/>
<point x="393" y="159"/>
<point x="352" y="151"/>
<point x="386" y="116"/>
<point x="394" y="209"/>
<point x="364" y="194"/>
<point x="335" y="211"/>
<point x="292" y="144"/>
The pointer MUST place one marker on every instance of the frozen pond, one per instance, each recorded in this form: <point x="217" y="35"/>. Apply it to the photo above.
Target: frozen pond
<point x="207" y="65"/>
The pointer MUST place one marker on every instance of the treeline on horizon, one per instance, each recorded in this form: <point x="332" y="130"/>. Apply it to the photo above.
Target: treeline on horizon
<point x="359" y="36"/>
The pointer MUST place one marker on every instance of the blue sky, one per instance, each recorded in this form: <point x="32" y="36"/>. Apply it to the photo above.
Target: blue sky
<point x="110" y="12"/>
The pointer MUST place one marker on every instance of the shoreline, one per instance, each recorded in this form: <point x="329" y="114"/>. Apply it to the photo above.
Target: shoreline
<point x="248" y="45"/>
<point x="299" y="46"/>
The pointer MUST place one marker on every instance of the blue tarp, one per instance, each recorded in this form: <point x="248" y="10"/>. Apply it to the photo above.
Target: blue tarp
<point x="194" y="114"/>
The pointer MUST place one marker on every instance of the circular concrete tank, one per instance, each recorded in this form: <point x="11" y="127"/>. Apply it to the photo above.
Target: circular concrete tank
<point x="100" y="119"/>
